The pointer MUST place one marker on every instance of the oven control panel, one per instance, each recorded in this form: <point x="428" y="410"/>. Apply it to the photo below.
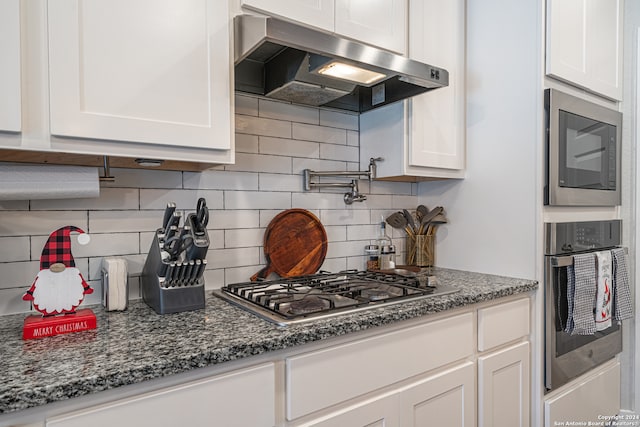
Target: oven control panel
<point x="571" y="237"/>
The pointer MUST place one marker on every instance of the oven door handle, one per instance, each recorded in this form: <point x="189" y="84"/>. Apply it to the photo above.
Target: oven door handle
<point x="567" y="260"/>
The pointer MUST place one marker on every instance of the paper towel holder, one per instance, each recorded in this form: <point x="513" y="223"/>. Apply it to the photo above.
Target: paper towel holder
<point x="106" y="175"/>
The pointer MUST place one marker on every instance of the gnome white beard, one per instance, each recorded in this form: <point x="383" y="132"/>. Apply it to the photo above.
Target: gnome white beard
<point x="56" y="292"/>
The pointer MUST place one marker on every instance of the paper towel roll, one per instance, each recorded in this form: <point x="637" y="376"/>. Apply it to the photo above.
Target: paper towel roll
<point x="28" y="182"/>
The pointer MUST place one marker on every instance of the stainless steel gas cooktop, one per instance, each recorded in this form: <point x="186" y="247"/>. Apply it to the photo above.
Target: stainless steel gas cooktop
<point x="297" y="299"/>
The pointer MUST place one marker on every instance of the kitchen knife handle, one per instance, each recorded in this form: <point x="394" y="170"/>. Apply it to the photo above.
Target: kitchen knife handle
<point x="168" y="213"/>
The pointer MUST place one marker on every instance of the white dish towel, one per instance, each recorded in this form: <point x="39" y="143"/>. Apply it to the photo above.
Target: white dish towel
<point x="604" y="293"/>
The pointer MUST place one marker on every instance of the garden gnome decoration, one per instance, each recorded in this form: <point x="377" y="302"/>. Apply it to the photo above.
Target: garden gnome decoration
<point x="58" y="289"/>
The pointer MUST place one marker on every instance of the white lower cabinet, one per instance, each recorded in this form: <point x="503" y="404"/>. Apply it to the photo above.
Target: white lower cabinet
<point x="504" y="387"/>
<point x="219" y="401"/>
<point x="445" y="399"/>
<point x="579" y="398"/>
<point x="378" y="412"/>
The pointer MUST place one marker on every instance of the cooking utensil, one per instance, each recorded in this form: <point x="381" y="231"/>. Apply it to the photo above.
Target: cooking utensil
<point x="399" y="221"/>
<point x="410" y="220"/>
<point x="295" y="243"/>
<point x="433" y="224"/>
<point x="428" y="218"/>
<point x="421" y="211"/>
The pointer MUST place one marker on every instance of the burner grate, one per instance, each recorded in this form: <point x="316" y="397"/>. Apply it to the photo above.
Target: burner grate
<point x="313" y="295"/>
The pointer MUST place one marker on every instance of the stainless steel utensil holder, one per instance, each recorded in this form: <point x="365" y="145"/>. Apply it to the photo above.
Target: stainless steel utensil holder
<point x="162" y="298"/>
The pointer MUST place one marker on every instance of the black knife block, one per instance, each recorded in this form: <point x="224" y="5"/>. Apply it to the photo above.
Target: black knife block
<point x="162" y="299"/>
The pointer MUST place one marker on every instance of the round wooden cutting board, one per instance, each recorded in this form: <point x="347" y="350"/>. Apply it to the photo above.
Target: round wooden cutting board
<point x="295" y="244"/>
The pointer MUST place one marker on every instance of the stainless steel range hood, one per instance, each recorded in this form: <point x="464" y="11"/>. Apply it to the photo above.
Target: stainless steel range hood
<point x="286" y="61"/>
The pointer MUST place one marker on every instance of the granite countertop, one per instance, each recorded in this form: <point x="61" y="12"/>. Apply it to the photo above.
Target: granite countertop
<point x="139" y="345"/>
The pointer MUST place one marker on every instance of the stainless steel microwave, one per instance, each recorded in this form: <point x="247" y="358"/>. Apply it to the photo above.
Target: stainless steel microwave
<point x="582" y="152"/>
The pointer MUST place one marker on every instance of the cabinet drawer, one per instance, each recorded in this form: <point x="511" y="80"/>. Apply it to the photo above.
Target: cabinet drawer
<point x="503" y="323"/>
<point x="222" y="400"/>
<point x="323" y="378"/>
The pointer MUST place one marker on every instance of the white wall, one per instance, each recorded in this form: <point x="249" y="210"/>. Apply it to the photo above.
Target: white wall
<point x="493" y="212"/>
<point x="275" y="141"/>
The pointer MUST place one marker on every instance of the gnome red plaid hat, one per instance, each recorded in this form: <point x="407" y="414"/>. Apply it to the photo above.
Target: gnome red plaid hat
<point x="58" y="247"/>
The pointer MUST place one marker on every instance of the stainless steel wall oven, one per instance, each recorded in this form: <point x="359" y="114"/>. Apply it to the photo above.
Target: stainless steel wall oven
<point x="568" y="356"/>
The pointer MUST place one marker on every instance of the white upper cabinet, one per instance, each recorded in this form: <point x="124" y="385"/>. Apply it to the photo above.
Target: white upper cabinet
<point x="381" y="23"/>
<point x="147" y="71"/>
<point x="437" y="118"/>
<point x="424" y="137"/>
<point x="584" y="44"/>
<point x="316" y="13"/>
<point x="10" y="102"/>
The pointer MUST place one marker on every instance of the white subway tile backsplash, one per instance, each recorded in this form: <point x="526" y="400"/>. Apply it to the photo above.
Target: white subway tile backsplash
<point x="262" y="126"/>
<point x="346" y="249"/>
<point x="274" y="142"/>
<point x="353" y="138"/>
<point x="14" y="205"/>
<point x="339" y="152"/>
<point x="289" y="147"/>
<point x="363" y="232"/>
<point x="393" y="188"/>
<point x="20" y="223"/>
<point x="240" y="274"/>
<point x="344" y="217"/>
<point x="247" y="105"/>
<point x="11" y="301"/>
<point x="144" y="178"/>
<point x="338" y="119"/>
<point x="110" y="198"/>
<point x="214" y="279"/>
<point x="124" y="221"/>
<point x="335" y="264"/>
<point x="232" y="257"/>
<point x="319" y="133"/>
<point x="318" y="165"/>
<point x="336" y="233"/>
<point x="286" y="111"/>
<point x="280" y="182"/>
<point x="246" y="143"/>
<point x="19" y="274"/>
<point x="15" y="249"/>
<point x="243" y="237"/>
<point x="261" y="163"/>
<point x="216" y="239"/>
<point x="257" y="200"/>
<point x="230" y="218"/>
<point x="221" y="180"/>
<point x="184" y="200"/>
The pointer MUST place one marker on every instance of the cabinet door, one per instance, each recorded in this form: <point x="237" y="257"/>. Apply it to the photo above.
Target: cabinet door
<point x="378" y="412"/>
<point x="316" y="13"/>
<point x="503" y="387"/>
<point x="10" y="102"/>
<point x="150" y="71"/>
<point x="446" y="399"/>
<point x="584" y="44"/>
<point x="587" y="399"/>
<point x="437" y="118"/>
<point x="245" y="398"/>
<point x="381" y="23"/>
